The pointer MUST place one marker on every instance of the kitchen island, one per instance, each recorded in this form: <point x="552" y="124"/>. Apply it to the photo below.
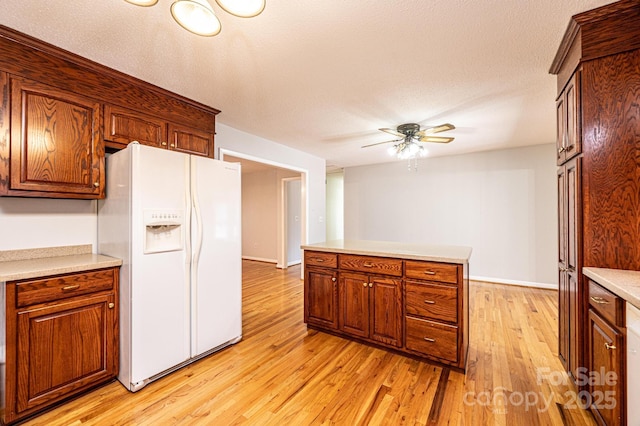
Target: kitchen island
<point x="409" y="298"/>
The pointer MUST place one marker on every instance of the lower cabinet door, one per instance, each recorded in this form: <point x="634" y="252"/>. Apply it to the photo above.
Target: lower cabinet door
<point x="321" y="297"/>
<point x="606" y="353"/>
<point x="64" y="348"/>
<point x="354" y="304"/>
<point x="385" y="300"/>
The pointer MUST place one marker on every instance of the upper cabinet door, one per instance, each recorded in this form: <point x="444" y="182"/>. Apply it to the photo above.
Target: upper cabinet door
<point x="56" y="144"/>
<point x="568" y="133"/>
<point x="190" y="141"/>
<point x="123" y="126"/>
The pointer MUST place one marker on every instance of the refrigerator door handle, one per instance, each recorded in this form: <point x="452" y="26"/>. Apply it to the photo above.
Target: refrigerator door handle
<point x="187" y="221"/>
<point x="197" y="248"/>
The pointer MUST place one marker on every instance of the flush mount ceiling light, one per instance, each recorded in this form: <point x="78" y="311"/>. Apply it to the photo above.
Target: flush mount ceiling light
<point x="243" y="8"/>
<point x="142" y="2"/>
<point x="198" y="17"/>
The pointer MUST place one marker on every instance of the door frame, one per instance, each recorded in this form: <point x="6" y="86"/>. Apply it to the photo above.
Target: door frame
<point x="284" y="226"/>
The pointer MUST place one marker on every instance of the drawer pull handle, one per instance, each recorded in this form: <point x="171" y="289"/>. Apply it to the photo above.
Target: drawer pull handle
<point x="370" y="285"/>
<point x="429" y="272"/>
<point x="430" y="302"/>
<point x="70" y="287"/>
<point x="364" y="284"/>
<point x="599" y="300"/>
<point x="428" y="339"/>
<point x="608" y="346"/>
<point x="111" y="305"/>
<point x="317" y="259"/>
<point x="333" y="279"/>
<point x="367" y="265"/>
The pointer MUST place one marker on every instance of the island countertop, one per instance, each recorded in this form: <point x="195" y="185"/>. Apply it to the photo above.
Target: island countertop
<point x="623" y="283"/>
<point x="35" y="263"/>
<point x="433" y="253"/>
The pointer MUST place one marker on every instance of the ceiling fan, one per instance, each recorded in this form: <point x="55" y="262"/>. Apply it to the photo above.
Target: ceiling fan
<point x="409" y="134"/>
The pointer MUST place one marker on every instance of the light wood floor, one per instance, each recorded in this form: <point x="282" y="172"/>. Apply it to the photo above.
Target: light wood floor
<point x="282" y="374"/>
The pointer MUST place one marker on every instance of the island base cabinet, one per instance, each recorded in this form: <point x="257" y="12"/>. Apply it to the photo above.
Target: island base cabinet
<point x="418" y="308"/>
<point x="59" y="342"/>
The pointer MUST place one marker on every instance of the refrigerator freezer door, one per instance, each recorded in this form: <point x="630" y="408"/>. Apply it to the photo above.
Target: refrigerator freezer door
<point x="159" y="329"/>
<point x="216" y="291"/>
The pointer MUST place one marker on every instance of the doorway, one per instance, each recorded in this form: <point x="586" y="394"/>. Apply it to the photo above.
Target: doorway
<point x="274" y="209"/>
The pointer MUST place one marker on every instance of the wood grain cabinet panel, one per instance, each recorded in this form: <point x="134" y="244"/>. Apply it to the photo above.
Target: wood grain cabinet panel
<point x="353" y="291"/>
<point x="371" y="264"/>
<point x="432" y="300"/>
<point x="190" y="140"/>
<point x="123" y="126"/>
<point x="433" y="271"/>
<point x="56" y="144"/>
<point x="321" y="297"/>
<point x="433" y="338"/>
<point x="371" y="307"/>
<point x="62" y="348"/>
<point x="607" y="361"/>
<point x="59" y="343"/>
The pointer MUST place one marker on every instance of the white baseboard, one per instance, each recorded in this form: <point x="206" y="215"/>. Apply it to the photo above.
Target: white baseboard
<point x="515" y="282"/>
<point x="259" y="259"/>
<point x="294" y="262"/>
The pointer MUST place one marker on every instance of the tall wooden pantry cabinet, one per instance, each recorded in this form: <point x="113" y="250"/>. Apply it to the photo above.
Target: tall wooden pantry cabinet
<point x="598" y="153"/>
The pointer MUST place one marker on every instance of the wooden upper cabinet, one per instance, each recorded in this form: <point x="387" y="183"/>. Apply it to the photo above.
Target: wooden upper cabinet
<point x="122" y="126"/>
<point x="190" y="141"/>
<point x="56" y="147"/>
<point x="568" y="134"/>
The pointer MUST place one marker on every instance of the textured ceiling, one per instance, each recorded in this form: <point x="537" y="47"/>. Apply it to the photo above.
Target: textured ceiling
<point x="323" y="76"/>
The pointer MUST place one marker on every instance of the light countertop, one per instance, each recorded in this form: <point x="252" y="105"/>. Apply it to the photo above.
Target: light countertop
<point x="625" y="284"/>
<point x="41" y="262"/>
<point x="434" y="253"/>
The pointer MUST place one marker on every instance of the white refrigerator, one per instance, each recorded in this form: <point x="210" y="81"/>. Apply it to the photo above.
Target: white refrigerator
<point x="174" y="219"/>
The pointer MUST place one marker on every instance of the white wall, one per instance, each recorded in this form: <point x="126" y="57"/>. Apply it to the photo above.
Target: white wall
<point x="259" y="215"/>
<point x="335" y="206"/>
<point x="245" y="144"/>
<point x="40" y="222"/>
<point x="501" y="203"/>
<point x="261" y="203"/>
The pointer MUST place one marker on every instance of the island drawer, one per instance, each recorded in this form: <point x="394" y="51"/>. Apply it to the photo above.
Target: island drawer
<point x="371" y="264"/>
<point x="319" y="258"/>
<point x="435" y="301"/>
<point x="607" y="304"/>
<point x="432" y="271"/>
<point x="432" y="339"/>
<point x="55" y="288"/>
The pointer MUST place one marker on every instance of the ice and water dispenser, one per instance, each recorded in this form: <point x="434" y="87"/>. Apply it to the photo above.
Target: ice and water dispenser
<point x="163" y="230"/>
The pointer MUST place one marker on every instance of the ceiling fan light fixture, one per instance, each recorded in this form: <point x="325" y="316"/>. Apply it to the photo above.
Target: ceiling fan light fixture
<point x="407" y="150"/>
<point x="196" y="16"/>
<point x="145" y="3"/>
<point x="243" y="8"/>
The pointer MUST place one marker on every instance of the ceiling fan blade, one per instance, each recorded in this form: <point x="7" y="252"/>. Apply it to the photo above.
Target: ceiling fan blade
<point x="435" y="129"/>
<point x="380" y="143"/>
<point x="436" y="139"/>
<point x="393" y="132"/>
